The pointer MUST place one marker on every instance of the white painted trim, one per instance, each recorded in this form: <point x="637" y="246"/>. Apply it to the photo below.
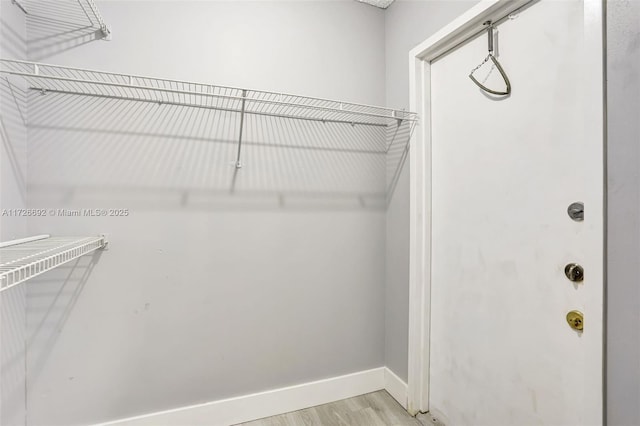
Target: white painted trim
<point x="396" y="387"/>
<point x="464" y="27"/>
<point x="452" y="35"/>
<point x="595" y="140"/>
<point x="264" y="404"/>
<point x="419" y="240"/>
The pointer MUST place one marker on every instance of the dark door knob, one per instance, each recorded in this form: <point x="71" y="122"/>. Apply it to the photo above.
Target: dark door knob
<point x="574" y="272"/>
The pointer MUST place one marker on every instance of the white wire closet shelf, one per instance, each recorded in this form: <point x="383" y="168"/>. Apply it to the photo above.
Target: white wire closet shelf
<point x="84" y="12"/>
<point x="83" y="82"/>
<point x="21" y="260"/>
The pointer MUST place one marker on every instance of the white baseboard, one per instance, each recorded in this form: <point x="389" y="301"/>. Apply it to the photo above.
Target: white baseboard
<point x="396" y="387"/>
<point x="245" y="408"/>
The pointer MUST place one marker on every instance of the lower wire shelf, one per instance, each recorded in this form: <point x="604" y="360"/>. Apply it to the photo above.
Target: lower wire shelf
<point x="23" y="259"/>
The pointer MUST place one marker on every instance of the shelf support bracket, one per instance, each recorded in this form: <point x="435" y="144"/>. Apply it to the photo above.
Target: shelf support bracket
<point x="105" y="32"/>
<point x="242" y="110"/>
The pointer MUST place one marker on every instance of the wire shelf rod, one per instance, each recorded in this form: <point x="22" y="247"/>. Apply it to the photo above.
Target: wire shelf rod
<point x="184" y="92"/>
<point x="23" y="240"/>
<point x="20" y="6"/>
<point x="191" y="105"/>
<point x="303" y="102"/>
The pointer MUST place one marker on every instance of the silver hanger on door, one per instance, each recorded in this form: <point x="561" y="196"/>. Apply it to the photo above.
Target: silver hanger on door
<point x="489" y="25"/>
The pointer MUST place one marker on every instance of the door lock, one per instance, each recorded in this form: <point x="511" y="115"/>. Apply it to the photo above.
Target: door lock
<point x="576" y="211"/>
<point x="574" y="272"/>
<point x="575" y="319"/>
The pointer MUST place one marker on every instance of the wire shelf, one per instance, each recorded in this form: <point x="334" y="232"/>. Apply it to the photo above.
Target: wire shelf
<point x="76" y="81"/>
<point x="24" y="260"/>
<point x="106" y="32"/>
<point x="78" y="12"/>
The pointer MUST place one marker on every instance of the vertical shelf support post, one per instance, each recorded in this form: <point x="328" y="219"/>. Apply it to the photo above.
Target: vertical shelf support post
<point x="244" y="100"/>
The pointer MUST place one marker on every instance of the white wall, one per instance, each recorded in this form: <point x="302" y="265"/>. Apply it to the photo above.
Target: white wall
<point x="201" y="295"/>
<point x="13" y="159"/>
<point x="407" y="23"/>
<point x="13" y="133"/>
<point x="623" y="116"/>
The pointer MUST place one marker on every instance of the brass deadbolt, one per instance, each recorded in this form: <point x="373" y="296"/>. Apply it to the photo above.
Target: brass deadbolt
<point x="574" y="272"/>
<point x="575" y="319"/>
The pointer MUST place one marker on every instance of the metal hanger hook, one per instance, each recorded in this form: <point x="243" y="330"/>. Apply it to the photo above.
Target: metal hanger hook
<point x="489" y="26"/>
<point x="490" y="56"/>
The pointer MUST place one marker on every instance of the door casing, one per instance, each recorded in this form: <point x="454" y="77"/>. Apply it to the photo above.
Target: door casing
<point x="464" y="27"/>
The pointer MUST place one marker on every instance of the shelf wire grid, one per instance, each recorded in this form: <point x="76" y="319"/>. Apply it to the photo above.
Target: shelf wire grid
<point x="98" y="16"/>
<point x="71" y="12"/>
<point x="20" y="262"/>
<point x="76" y="81"/>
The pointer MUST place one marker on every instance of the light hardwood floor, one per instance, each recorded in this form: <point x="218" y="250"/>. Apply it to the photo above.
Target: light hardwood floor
<point x="372" y="409"/>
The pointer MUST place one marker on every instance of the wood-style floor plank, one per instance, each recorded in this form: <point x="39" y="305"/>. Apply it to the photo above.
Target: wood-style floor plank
<point x="373" y="409"/>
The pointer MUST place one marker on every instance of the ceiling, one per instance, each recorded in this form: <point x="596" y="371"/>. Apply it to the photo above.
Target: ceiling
<point x="382" y="4"/>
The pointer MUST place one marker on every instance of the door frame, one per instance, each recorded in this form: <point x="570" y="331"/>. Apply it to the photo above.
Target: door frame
<point x="461" y="29"/>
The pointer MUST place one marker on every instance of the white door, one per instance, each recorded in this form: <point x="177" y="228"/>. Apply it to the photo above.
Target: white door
<point x="504" y="171"/>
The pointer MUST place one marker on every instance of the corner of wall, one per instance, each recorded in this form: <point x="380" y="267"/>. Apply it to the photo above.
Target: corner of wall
<point x="12" y="196"/>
